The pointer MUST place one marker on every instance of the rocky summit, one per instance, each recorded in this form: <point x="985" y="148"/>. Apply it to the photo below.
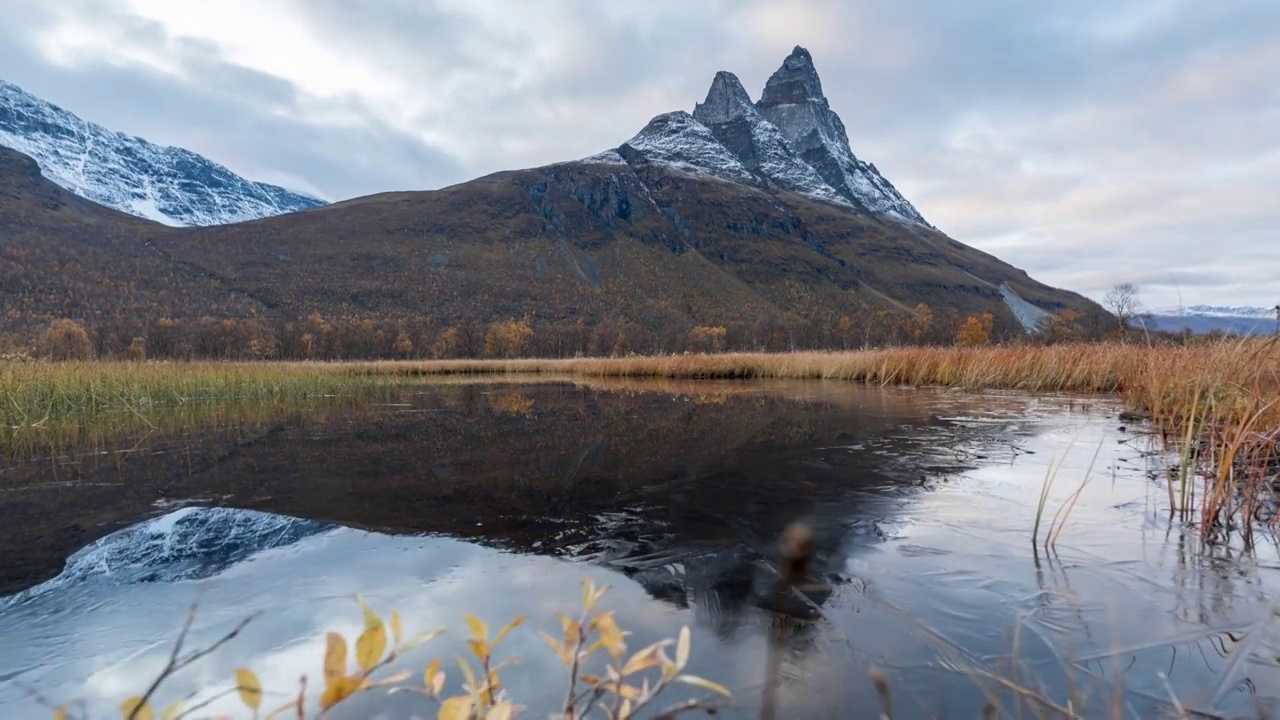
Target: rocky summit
<point x="794" y="102"/>
<point x="790" y="140"/>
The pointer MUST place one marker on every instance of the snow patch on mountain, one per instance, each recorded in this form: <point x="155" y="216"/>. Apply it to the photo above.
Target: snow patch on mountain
<point x="166" y="184"/>
<point x="608" y="157"/>
<point x="794" y="102"/>
<point x="677" y="141"/>
<point x="734" y="120"/>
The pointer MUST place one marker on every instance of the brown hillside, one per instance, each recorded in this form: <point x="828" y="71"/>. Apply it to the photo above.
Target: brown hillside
<point x="642" y="247"/>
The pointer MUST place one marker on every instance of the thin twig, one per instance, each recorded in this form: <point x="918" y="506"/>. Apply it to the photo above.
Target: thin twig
<point x="178" y="662"/>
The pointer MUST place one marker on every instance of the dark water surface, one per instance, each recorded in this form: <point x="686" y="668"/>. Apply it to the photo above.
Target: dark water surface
<point x="499" y="499"/>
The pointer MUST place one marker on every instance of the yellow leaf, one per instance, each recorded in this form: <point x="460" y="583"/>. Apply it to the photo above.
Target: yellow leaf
<point x="172" y="710"/>
<point x="249" y="687"/>
<point x="479" y="649"/>
<point x="479" y="631"/>
<point x="370" y="646"/>
<point x="642" y="660"/>
<point x="428" y="675"/>
<point x="704" y="684"/>
<point x="565" y="622"/>
<point x="395" y="679"/>
<point x="437" y="683"/>
<point x="491" y="686"/>
<point x="610" y="635"/>
<point x="591" y="680"/>
<point x="624" y="712"/>
<point x="60" y="713"/>
<point x="600" y="591"/>
<point x="420" y="638"/>
<point x="683" y="647"/>
<point x="572" y="635"/>
<point x="338" y="689"/>
<point x="468" y="675"/>
<point x="136" y="709"/>
<point x="508" y="628"/>
<point x="371" y="619"/>
<point x="501" y="711"/>
<point x="397" y="632"/>
<point x="560" y="650"/>
<point x="455" y="708"/>
<point x="335" y="656"/>
<point x="588" y="594"/>
<point x="628" y="692"/>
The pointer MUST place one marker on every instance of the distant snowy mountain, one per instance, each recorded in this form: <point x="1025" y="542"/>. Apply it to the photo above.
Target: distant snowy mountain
<point x="1235" y="311"/>
<point x="167" y="184"/>
<point x="790" y="140"/>
<point x="1236" y="319"/>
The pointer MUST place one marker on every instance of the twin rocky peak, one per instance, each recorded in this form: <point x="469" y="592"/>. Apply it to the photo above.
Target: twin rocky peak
<point x="790" y="140"/>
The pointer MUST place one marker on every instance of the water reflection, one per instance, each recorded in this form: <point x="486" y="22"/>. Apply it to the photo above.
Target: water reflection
<point x="466" y="497"/>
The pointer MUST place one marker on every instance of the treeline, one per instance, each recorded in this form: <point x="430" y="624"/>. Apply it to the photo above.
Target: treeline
<point x="319" y="338"/>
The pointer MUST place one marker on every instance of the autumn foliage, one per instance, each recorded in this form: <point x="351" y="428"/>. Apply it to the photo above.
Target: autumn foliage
<point x="353" y="337"/>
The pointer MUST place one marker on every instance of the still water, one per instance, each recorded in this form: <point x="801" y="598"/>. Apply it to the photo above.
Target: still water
<point x="500" y="499"/>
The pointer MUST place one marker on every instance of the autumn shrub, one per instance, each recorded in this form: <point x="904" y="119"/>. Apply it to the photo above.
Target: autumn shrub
<point x="507" y="339"/>
<point x="706" y="338"/>
<point x="65" y="340"/>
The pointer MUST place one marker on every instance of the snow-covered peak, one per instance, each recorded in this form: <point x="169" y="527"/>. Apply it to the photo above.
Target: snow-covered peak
<point x="1232" y="311"/>
<point x="789" y="140"/>
<point x="167" y="184"/>
<point x="793" y="101"/>
<point x="678" y="141"/>
<point x="734" y="120"/>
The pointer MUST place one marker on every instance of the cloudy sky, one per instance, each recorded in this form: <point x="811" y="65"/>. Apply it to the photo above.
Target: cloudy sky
<point x="1091" y="142"/>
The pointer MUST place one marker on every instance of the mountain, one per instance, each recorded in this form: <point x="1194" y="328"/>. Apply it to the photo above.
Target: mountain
<point x="710" y="218"/>
<point x="1235" y="319"/>
<point x="1232" y="311"/>
<point x="167" y="184"/>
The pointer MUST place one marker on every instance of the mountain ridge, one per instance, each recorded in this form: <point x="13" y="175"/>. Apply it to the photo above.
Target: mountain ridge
<point x="167" y="184"/>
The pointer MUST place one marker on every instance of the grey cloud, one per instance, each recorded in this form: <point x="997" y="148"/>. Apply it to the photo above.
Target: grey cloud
<point x="253" y="122"/>
<point x="1090" y="142"/>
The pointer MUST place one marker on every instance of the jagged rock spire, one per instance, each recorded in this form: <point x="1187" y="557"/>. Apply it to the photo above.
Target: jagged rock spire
<point x="796" y="81"/>
<point x="794" y="102"/>
<point x="789" y="140"/>
<point x="734" y="120"/>
<point x="726" y="100"/>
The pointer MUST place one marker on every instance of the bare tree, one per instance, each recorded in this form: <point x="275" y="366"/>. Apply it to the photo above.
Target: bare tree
<point x="1123" y="302"/>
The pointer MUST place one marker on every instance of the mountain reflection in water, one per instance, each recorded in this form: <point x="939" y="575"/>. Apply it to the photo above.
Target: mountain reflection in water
<point x="460" y="497"/>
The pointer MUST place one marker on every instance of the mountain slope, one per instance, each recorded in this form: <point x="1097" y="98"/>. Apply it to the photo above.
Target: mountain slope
<point x="167" y="184"/>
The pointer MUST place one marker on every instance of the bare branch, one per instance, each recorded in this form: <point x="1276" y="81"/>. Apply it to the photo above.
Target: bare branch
<point x="177" y="661"/>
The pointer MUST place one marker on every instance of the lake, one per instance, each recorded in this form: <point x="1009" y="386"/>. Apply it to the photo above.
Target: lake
<point x="500" y="498"/>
